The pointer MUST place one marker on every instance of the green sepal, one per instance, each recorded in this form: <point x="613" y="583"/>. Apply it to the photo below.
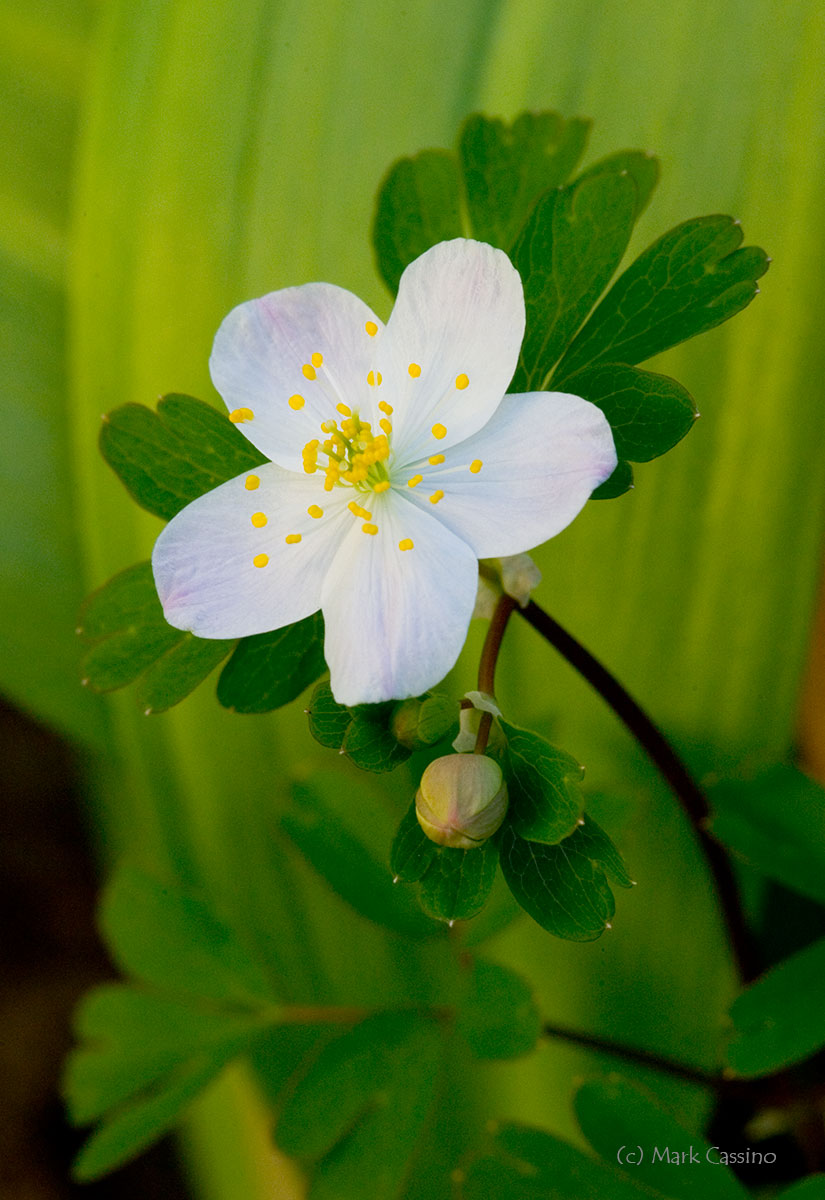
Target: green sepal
<point x="457" y="883"/>
<point x="498" y="1016"/>
<point x="648" y="413"/>
<point x="344" y="832"/>
<point x="564" y="887"/>
<point x="168" y="458"/>
<point x="566" y="255"/>
<point x="543" y="784"/>
<point x="130" y="639"/>
<point x="268" y="670"/>
<point x="364" y="733"/>
<point x="617" y="484"/>
<point x="691" y="279"/>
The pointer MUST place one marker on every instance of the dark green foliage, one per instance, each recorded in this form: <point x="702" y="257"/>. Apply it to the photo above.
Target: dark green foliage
<point x="364" y="733"/>
<point x="498" y="1017"/>
<point x="642" y="168"/>
<point x="454" y="884"/>
<point x="619" y="482"/>
<point x="170" y="457"/>
<point x="418" y="206"/>
<point x="648" y="413"/>
<point x="131" y="639"/>
<point x="412" y="851"/>
<point x="543" y="784"/>
<point x="269" y="670"/>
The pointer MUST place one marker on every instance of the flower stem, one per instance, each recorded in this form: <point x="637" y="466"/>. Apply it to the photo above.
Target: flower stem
<point x="487" y="664"/>
<point x="673" y="770"/>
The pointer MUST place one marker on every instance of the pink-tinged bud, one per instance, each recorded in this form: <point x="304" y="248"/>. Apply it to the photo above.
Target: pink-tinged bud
<point x="461" y="800"/>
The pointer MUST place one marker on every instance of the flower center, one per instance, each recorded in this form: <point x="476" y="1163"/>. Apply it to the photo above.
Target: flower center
<point x="355" y="456"/>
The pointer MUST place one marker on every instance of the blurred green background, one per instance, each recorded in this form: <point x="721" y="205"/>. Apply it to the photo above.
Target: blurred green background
<point x="166" y="159"/>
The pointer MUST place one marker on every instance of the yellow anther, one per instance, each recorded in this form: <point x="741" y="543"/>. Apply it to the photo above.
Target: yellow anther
<point x="439" y="431"/>
<point x="461" y="382"/>
<point x="252" y="482"/>
<point x="374" y="378"/>
<point x="296" y="402"/>
<point x="414" y="370"/>
<point x="373" y="529"/>
<point x="435" y="459"/>
<point x="317" y="359"/>
<point x="405" y="544"/>
<point x="260" y="560"/>
<point x="328" y="426"/>
<point x="239" y="415"/>
<point x="315" y="511"/>
<point x="436" y="496"/>
<point x="414" y="482"/>
<point x="357" y="511"/>
<point x="343" y="410"/>
<point x="258" y="520"/>
<point x="476" y="465"/>
<point x="308" y="372"/>
<point x="329" y="483"/>
<point x="292" y="539"/>
<point x="385" y="408"/>
<point x="382" y="485"/>
<point x="386" y="425"/>
<point x="371" y="328"/>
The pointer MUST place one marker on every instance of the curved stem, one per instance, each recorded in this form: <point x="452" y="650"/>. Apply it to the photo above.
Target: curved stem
<point x="674" y="771"/>
<point x="645" y="1058"/>
<point x="487" y="664"/>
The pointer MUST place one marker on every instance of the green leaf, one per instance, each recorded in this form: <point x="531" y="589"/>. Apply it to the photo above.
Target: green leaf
<point x="776" y="822"/>
<point x="543" y="784"/>
<point x="131" y="639"/>
<point x="648" y="413"/>
<point x="171" y="940"/>
<point x="457" y="883"/>
<point x="566" y="255"/>
<point x="780" y="1019"/>
<point x="614" y="1114"/>
<point x="345" y="833"/>
<point x="364" y="734"/>
<point x="168" y="458"/>
<point x="498" y="1017"/>
<point x="412" y="852"/>
<point x="418" y="206"/>
<point x="642" y="168"/>
<point x="690" y="280"/>
<point x="268" y="670"/>
<point x="507" y="168"/>
<point x="529" y="1164"/>
<point x="361" y="1108"/>
<point x="812" y="1188"/>
<point x="564" y="887"/>
<point x="617" y="484"/>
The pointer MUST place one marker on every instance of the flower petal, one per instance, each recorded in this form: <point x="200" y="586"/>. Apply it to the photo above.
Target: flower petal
<point x="396" y="619"/>
<point x="266" y="354"/>
<point x="204" y="561"/>
<point x="523" y="477"/>
<point x="459" y="317"/>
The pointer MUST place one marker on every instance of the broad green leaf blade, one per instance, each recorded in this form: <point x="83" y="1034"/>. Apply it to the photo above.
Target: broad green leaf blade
<point x="365" y="733"/>
<point x="130" y="1039"/>
<point x="125" y="620"/>
<point x="812" y="1188"/>
<point x="138" y="1124"/>
<point x="412" y="852"/>
<point x="563" y="887"/>
<point x="457" y="883"/>
<point x="648" y="413"/>
<point x="543" y="784"/>
<point x="498" y="1017"/>
<point x="780" y="1019"/>
<point x="777" y="823"/>
<point x="173" y="676"/>
<point x="691" y="279"/>
<point x="566" y="255"/>
<point x="346" y="833"/>
<point x="614" y="1114"/>
<point x="419" y="204"/>
<point x="643" y="169"/>
<point x="619" y="482"/>
<point x="268" y="670"/>
<point x="168" y="458"/>
<point x="529" y="1164"/>
<point x="506" y="168"/>
<point x="173" y="941"/>
<point x="328" y="720"/>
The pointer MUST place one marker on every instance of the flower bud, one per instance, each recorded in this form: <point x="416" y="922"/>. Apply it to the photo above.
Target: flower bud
<point x="461" y="800"/>
<point x="423" y="721"/>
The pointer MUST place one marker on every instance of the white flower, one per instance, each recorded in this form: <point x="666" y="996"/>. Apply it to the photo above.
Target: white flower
<point x="397" y="462"/>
